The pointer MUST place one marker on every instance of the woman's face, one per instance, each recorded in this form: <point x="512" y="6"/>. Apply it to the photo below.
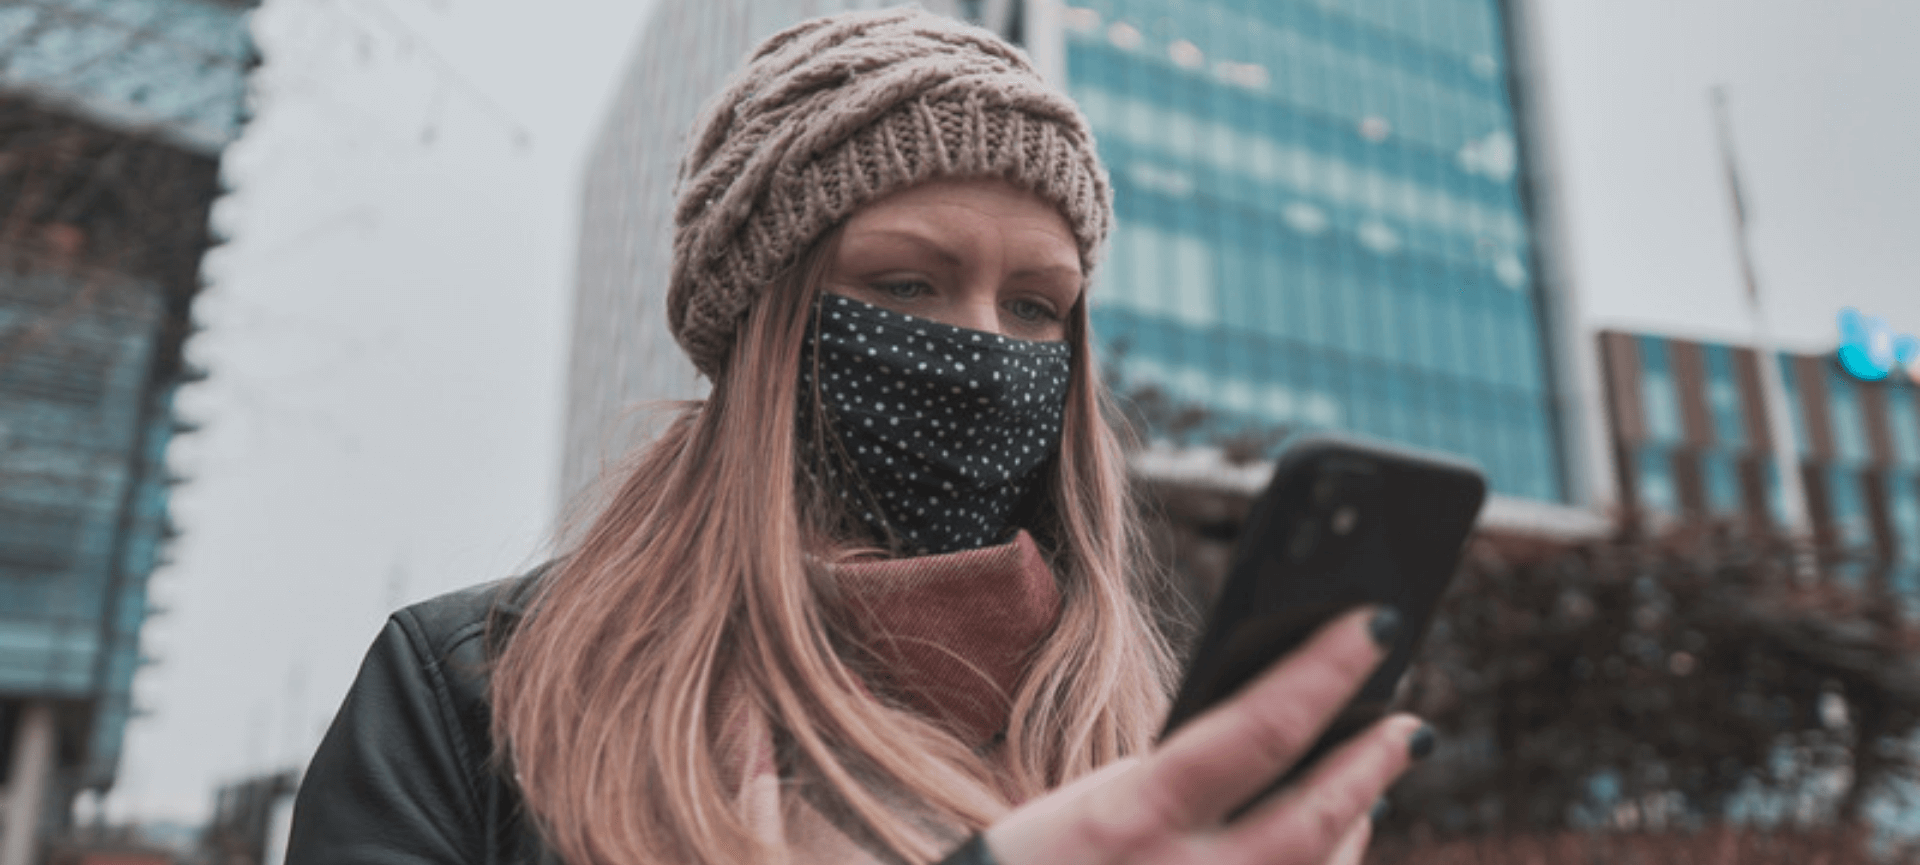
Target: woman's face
<point x="980" y="254"/>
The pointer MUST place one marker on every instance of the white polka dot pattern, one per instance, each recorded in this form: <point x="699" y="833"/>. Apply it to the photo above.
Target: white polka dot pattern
<point x="947" y="426"/>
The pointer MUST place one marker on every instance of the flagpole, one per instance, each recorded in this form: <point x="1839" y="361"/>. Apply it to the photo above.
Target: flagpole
<point x="1786" y="447"/>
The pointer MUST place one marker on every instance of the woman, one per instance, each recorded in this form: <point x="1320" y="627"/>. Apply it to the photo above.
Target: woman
<point x="875" y="598"/>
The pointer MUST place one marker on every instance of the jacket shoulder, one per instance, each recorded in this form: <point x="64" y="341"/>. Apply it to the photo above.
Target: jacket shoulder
<point x="406" y="773"/>
<point x="446" y="623"/>
<point x="459" y="634"/>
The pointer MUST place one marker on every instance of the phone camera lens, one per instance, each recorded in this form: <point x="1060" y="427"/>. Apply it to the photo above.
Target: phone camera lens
<point x="1324" y="489"/>
<point x="1344" y="520"/>
<point x="1302" y="543"/>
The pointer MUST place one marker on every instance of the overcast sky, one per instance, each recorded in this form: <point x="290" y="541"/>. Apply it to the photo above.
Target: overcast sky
<point x="386" y="329"/>
<point x="1822" y="96"/>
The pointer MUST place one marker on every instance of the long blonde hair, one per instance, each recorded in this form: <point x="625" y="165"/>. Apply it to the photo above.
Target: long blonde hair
<point x="695" y="587"/>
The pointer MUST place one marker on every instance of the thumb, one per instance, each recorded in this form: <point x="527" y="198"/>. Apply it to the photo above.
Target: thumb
<point x="1097" y="777"/>
<point x="1015" y="831"/>
<point x="1353" y="845"/>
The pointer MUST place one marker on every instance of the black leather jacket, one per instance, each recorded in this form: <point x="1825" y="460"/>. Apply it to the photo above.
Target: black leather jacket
<point x="405" y="775"/>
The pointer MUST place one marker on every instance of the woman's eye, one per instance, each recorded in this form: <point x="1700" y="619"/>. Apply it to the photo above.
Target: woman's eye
<point x="906" y="289"/>
<point x="1027" y="310"/>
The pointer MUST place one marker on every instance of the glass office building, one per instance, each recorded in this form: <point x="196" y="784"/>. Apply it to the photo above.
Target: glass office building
<point x="1321" y="218"/>
<point x="1322" y="221"/>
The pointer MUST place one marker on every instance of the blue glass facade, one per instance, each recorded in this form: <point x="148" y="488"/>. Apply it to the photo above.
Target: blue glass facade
<point x="83" y="499"/>
<point x="176" y="69"/>
<point x="1903" y="485"/>
<point x="1320" y="221"/>
<point x="1711" y="454"/>
<point x="1659" y="392"/>
<point x="1723" y="397"/>
<point x="1790" y="387"/>
<point x="86" y="391"/>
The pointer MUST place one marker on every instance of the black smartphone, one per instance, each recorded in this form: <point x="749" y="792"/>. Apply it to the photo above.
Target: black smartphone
<point x="1343" y="522"/>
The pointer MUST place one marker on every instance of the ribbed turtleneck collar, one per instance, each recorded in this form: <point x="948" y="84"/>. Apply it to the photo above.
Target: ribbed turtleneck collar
<point x="955" y="632"/>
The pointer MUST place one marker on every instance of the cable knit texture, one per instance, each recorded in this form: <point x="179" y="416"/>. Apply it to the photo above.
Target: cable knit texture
<point x="836" y="112"/>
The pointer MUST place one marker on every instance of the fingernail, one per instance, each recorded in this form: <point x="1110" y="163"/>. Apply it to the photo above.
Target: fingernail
<point x="1385" y="627"/>
<point x="1421" y="743"/>
<point x="1380" y="811"/>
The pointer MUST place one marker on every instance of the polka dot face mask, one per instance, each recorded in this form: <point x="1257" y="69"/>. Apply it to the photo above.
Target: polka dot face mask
<point x="947" y="428"/>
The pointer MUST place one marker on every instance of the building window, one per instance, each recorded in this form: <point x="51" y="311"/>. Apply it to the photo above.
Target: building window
<point x="1776" y="491"/>
<point x="1790" y="385"/>
<point x="1658" y="394"/>
<point x="1849" y="426"/>
<point x="1851" y="529"/>
<point x="1723" y="398"/>
<point x="1905" y="493"/>
<point x="1905" y="507"/>
<point x="1657" y="490"/>
<point x="1722" y="482"/>
<point x="1904" y="417"/>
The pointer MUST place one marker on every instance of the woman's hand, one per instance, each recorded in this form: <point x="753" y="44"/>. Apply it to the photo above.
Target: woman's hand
<point x="1170" y="807"/>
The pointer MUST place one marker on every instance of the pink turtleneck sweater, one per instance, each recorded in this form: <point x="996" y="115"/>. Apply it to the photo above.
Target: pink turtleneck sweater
<point x="954" y="634"/>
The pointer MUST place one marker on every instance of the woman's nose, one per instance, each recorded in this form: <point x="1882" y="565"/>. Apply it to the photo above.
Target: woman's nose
<point x="976" y="315"/>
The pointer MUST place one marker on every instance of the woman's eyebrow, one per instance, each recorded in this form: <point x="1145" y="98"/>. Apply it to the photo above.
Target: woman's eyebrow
<point x="918" y="240"/>
<point x="1049" y="271"/>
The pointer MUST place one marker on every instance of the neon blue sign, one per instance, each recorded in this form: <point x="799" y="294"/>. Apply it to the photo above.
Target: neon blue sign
<point x="1869" y="350"/>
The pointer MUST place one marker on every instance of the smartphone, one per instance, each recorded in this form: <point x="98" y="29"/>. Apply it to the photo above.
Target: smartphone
<point x="1343" y="522"/>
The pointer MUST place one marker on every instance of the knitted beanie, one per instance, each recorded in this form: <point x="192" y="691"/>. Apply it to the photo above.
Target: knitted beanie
<point x="838" y="111"/>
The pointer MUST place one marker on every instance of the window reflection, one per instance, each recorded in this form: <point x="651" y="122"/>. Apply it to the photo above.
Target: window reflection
<point x="1905" y="512"/>
<point x="1904" y="418"/>
<point x="1245" y="152"/>
<point x="1790" y="384"/>
<point x="1849" y="428"/>
<point x="1298" y="240"/>
<point x="1722" y="484"/>
<point x="1655" y="474"/>
<point x="1723" y="398"/>
<point x="1658" y="395"/>
<point x="1844" y="496"/>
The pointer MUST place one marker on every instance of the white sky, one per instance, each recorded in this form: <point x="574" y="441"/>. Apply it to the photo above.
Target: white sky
<point x="386" y="330"/>
<point x="1822" y="98"/>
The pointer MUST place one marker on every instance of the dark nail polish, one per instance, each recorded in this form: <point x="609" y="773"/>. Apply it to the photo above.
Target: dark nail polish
<point x="1380" y="811"/>
<point x="1422" y="742"/>
<point x="1385" y="627"/>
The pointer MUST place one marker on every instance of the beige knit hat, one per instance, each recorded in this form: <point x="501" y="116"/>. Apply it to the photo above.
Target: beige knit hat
<point x="838" y="111"/>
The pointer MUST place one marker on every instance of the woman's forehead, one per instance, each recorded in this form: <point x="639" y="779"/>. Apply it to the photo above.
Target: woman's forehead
<point x="956" y="213"/>
<point x="985" y="196"/>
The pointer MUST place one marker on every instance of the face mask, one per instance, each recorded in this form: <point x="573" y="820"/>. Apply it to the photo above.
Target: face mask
<point x="945" y="427"/>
